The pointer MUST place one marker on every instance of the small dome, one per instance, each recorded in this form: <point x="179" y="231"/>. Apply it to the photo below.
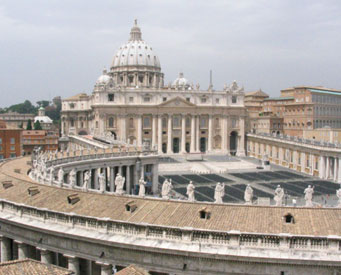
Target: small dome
<point x="104" y="78"/>
<point x="180" y="82"/>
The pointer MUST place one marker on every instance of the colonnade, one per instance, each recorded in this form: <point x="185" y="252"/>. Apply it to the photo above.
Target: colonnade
<point x="193" y="137"/>
<point x="324" y="164"/>
<point x="14" y="249"/>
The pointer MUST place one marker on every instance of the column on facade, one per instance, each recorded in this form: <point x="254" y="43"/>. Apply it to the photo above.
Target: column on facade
<point x="335" y="169"/>
<point x="183" y="134"/>
<point x="169" y="135"/>
<point x="304" y="161"/>
<point x="223" y="135"/>
<point x="81" y="178"/>
<point x="112" y="179"/>
<point x="192" y="146"/>
<point x="159" y="134"/>
<point x="155" y="183"/>
<point x="197" y="133"/>
<point x="73" y="264"/>
<point x="123" y="129"/>
<point x="128" y="181"/>
<point x="45" y="256"/>
<point x="95" y="178"/>
<point x="6" y="249"/>
<point x="241" y="143"/>
<point x="136" y="174"/>
<point x="295" y="158"/>
<point x="22" y="250"/>
<point x="139" y="131"/>
<point x="106" y="269"/>
<point x="210" y="133"/>
<point x="312" y="164"/>
<point x="154" y="131"/>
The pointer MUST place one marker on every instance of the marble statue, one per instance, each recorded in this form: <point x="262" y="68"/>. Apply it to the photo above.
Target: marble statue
<point x="142" y="189"/>
<point x="61" y="176"/>
<point x="338" y="194"/>
<point x="73" y="177"/>
<point x="279" y="195"/>
<point x="51" y="170"/>
<point x="248" y="194"/>
<point x="119" y="183"/>
<point x="309" y="191"/>
<point x="219" y="192"/>
<point x="190" y="191"/>
<point x="101" y="181"/>
<point x="87" y="179"/>
<point x="166" y="189"/>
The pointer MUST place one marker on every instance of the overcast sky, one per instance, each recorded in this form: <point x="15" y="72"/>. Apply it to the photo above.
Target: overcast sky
<point x="56" y="47"/>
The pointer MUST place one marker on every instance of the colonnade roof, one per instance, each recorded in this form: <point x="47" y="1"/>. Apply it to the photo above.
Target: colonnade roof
<point x="170" y="213"/>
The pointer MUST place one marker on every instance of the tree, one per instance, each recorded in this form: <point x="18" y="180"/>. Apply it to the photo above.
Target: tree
<point x="29" y="125"/>
<point x="43" y="103"/>
<point x="37" y="125"/>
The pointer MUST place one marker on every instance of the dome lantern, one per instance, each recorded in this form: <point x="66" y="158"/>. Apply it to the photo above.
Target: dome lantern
<point x="135" y="33"/>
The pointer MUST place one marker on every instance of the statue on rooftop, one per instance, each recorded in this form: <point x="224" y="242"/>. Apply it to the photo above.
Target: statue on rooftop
<point x="61" y="176"/>
<point x="248" y="194"/>
<point x="166" y="189"/>
<point x="51" y="170"/>
<point x="87" y="179"/>
<point x="101" y="181"/>
<point x="142" y="189"/>
<point x="73" y="177"/>
<point x="190" y="191"/>
<point x="338" y="194"/>
<point x="119" y="183"/>
<point x="309" y="191"/>
<point x="219" y="192"/>
<point x="279" y="194"/>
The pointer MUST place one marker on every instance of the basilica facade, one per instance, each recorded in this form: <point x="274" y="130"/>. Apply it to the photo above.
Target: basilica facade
<point x="131" y="102"/>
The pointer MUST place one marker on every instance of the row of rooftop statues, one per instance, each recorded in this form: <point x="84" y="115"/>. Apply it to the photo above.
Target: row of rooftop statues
<point x="41" y="173"/>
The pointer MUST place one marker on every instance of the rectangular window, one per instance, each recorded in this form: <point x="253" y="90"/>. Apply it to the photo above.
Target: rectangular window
<point x="217" y="100"/>
<point x="146" y="99"/>
<point x="164" y="99"/>
<point x="12" y="140"/>
<point x="12" y="148"/>
<point x="203" y="122"/>
<point x="111" y="97"/>
<point x="1" y="156"/>
<point x="203" y="100"/>
<point x="12" y="155"/>
<point x="176" y="122"/>
<point x="234" y="99"/>
<point x="188" y="99"/>
<point x="131" y="99"/>
<point x="0" y="140"/>
<point x="146" y="122"/>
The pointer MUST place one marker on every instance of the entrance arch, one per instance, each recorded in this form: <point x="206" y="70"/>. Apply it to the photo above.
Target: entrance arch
<point x="176" y="145"/>
<point x="233" y="143"/>
<point x="203" y="144"/>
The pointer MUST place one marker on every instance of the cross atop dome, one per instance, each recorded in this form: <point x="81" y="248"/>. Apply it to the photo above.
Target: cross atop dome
<point x="135" y="32"/>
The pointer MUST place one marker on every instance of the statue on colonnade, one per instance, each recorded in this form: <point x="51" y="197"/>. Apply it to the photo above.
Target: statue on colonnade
<point x="279" y="195"/>
<point x="248" y="194"/>
<point x="166" y="189"/>
<point x="309" y="191"/>
<point x="142" y="189"/>
<point x="219" y="192"/>
<point x="119" y="183"/>
<point x="87" y="179"/>
<point x="190" y="191"/>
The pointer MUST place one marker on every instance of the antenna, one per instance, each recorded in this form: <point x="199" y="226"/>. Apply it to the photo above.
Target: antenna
<point x="211" y="82"/>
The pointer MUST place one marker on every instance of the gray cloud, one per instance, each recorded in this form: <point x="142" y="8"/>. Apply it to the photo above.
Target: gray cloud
<point x="50" y="48"/>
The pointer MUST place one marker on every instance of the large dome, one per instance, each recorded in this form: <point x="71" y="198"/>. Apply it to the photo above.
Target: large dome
<point x="135" y="52"/>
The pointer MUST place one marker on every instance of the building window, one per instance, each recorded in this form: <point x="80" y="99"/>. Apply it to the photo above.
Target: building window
<point x="131" y="99"/>
<point x="12" y="155"/>
<point x="12" y="140"/>
<point x="217" y="100"/>
<point x="141" y="78"/>
<point x="131" y="122"/>
<point x="111" y="122"/>
<point x="146" y="122"/>
<point x="0" y="140"/>
<point x="203" y="100"/>
<point x="12" y="148"/>
<point x="72" y="105"/>
<point x="203" y="122"/>
<point x="164" y="99"/>
<point x="72" y="122"/>
<point x="188" y="99"/>
<point x="111" y="97"/>
<point x="164" y="122"/>
<point x="146" y="99"/>
<point x="1" y="156"/>
<point x="176" y="122"/>
<point x="234" y="99"/>
<point x="188" y="122"/>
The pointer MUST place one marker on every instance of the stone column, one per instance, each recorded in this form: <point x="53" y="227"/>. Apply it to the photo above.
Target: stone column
<point x="155" y="171"/>
<point x="81" y="178"/>
<point x="128" y="181"/>
<point x="112" y="179"/>
<point x="192" y="146"/>
<point x="322" y="168"/>
<point x="169" y="134"/>
<point x="326" y="176"/>
<point x="154" y="132"/>
<point x="45" y="255"/>
<point x="197" y="134"/>
<point x="339" y="171"/>
<point x="312" y="161"/>
<point x="6" y="249"/>
<point x="73" y="263"/>
<point x="223" y="135"/>
<point x="335" y="169"/>
<point x="106" y="269"/>
<point x="22" y="250"/>
<point x="210" y="134"/>
<point x="123" y="129"/>
<point x="241" y="144"/>
<point x="304" y="162"/>
<point x="183" y="134"/>
<point x="136" y="174"/>
<point x="159" y="134"/>
<point x="139" y="131"/>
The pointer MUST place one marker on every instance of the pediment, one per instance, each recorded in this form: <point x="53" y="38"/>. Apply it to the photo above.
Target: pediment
<point x="177" y="102"/>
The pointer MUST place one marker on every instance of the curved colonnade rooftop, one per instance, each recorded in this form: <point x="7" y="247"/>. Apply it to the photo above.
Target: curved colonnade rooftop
<point x="168" y="213"/>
